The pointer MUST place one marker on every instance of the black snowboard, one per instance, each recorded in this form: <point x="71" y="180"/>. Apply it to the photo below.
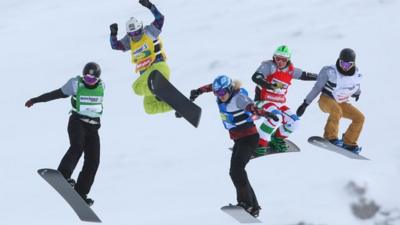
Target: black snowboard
<point x="58" y="182"/>
<point x="323" y="143"/>
<point x="239" y="214"/>
<point x="168" y="93"/>
<point x="269" y="151"/>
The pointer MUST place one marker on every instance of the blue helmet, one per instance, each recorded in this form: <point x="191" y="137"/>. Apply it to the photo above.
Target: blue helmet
<point x="222" y="85"/>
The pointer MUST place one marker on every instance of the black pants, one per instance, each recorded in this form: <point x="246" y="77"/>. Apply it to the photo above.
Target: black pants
<point x="242" y="151"/>
<point x="83" y="138"/>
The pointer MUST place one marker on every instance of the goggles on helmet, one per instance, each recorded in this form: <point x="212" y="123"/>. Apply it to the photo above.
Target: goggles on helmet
<point x="281" y="58"/>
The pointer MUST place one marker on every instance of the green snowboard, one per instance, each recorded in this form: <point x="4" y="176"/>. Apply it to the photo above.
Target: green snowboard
<point x="292" y="147"/>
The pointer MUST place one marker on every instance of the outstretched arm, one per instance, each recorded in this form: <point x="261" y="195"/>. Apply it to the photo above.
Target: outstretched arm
<point x="245" y="103"/>
<point x="197" y="92"/>
<point x="308" y="76"/>
<point x="159" y="18"/>
<point x="303" y="75"/>
<point x="322" y="78"/>
<point x="56" y="94"/>
<point x="116" y="44"/>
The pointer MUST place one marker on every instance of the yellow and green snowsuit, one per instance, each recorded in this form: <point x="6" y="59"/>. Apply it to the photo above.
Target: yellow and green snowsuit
<point x="148" y="55"/>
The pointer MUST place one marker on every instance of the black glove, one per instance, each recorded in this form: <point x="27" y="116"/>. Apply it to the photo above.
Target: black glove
<point x="30" y="102"/>
<point x="260" y="112"/>
<point x="270" y="115"/>
<point x="194" y="94"/>
<point x="178" y="115"/>
<point x="114" y="29"/>
<point x="145" y="3"/>
<point x="302" y="108"/>
<point x="356" y="96"/>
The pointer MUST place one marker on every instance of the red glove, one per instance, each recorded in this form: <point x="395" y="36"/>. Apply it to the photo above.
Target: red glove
<point x="29" y="103"/>
<point x="260" y="112"/>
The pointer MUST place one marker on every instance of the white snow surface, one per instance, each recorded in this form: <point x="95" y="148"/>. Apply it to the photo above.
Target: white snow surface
<point x="160" y="170"/>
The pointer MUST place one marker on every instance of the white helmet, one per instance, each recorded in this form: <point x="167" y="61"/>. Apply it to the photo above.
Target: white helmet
<point x="133" y="25"/>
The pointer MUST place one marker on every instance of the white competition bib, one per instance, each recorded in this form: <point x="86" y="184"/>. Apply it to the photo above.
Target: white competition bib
<point x="346" y="86"/>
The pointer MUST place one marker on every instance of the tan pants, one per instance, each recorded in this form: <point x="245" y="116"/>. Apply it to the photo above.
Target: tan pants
<point x="336" y="111"/>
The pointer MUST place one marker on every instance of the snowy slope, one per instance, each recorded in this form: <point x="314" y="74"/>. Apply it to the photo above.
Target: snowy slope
<point x="160" y="170"/>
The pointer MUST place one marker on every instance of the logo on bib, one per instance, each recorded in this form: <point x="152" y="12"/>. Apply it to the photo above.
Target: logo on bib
<point x="90" y="99"/>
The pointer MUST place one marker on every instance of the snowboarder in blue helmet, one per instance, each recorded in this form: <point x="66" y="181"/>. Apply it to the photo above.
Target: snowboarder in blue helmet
<point x="237" y="111"/>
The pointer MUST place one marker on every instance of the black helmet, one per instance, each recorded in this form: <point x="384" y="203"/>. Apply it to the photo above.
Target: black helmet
<point x="92" y="68"/>
<point x="347" y="55"/>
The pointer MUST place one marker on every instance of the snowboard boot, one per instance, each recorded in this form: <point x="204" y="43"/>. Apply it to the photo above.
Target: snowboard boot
<point x="337" y="142"/>
<point x="262" y="143"/>
<point x="260" y="151"/>
<point x="278" y="143"/>
<point x="71" y="181"/>
<point x="255" y="211"/>
<point x="248" y="208"/>
<point x="353" y="148"/>
<point x="262" y="147"/>
<point x="88" y="201"/>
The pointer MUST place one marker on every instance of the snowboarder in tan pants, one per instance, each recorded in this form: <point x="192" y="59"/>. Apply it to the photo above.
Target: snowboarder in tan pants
<point x="338" y="83"/>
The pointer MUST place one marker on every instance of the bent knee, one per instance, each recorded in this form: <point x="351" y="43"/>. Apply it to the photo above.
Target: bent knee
<point x="360" y="118"/>
<point x="335" y="114"/>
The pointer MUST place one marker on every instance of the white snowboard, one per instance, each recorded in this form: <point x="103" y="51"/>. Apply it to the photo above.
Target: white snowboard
<point x="323" y="143"/>
<point x="239" y="214"/>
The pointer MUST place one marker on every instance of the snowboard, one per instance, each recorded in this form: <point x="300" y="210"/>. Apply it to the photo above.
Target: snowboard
<point x="60" y="184"/>
<point x="168" y="93"/>
<point x="323" y="143"/>
<point x="239" y="214"/>
<point x="269" y="151"/>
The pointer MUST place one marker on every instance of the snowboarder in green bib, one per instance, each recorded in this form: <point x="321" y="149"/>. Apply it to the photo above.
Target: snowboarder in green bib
<point x="87" y="93"/>
<point x="147" y="54"/>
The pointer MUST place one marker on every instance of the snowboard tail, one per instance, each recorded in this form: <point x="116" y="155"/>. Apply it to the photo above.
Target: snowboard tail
<point x="168" y="93"/>
<point x="323" y="143"/>
<point x="61" y="185"/>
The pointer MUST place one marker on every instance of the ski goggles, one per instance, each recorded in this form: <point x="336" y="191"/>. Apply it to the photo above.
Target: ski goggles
<point x="281" y="58"/>
<point x="90" y="79"/>
<point x="136" y="33"/>
<point x="346" y="65"/>
<point x="220" y="92"/>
